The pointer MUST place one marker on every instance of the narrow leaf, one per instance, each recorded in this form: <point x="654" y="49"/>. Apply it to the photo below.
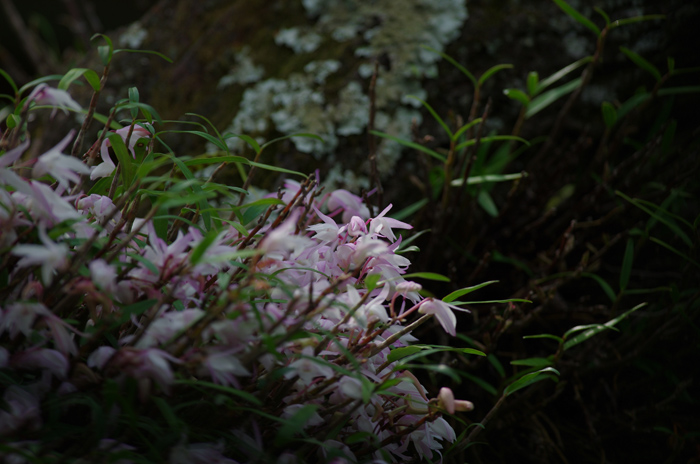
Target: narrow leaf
<point x="489" y="178"/>
<point x="562" y="72"/>
<point x="150" y="52"/>
<point x="578" y="17"/>
<point x="451" y="60"/>
<point x="642" y="63"/>
<point x="517" y="94"/>
<point x="73" y="74"/>
<point x="609" y="114"/>
<point x="415" y="146"/>
<point x="552" y="337"/>
<point x="532" y="82"/>
<point x="427" y="276"/>
<point x="486" y="202"/>
<point x="626" y="265"/>
<point x="529" y="379"/>
<point x="491" y="71"/>
<point x="435" y="115"/>
<point x="596" y="330"/>
<point x="465" y="127"/>
<point x="603" y="284"/>
<point x="533" y="362"/>
<point x="547" y="98"/>
<point x="492" y="138"/>
<point x="457" y="293"/>
<point x="636" y="19"/>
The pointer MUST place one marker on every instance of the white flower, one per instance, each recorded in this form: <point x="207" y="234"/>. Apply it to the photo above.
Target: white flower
<point x="45" y="95"/>
<point x="107" y="166"/>
<point x="61" y="167"/>
<point x="443" y="313"/>
<point x="51" y="256"/>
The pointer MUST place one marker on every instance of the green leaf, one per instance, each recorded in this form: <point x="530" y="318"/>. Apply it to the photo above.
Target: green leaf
<point x="427" y="276"/>
<point x="104" y="51"/>
<point x="552" y="337"/>
<point x="581" y="328"/>
<point x="517" y="94"/>
<point x="578" y="17"/>
<point x="509" y="300"/>
<point x="480" y="382"/>
<point x="659" y="217"/>
<point x="627" y="265"/>
<point x="413" y="145"/>
<point x="547" y="98"/>
<point x="496" y="364"/>
<point x="204" y="159"/>
<point x="469" y="75"/>
<point x="533" y="80"/>
<point x="40" y="80"/>
<point x="145" y="108"/>
<point x="134" y="98"/>
<point x="285" y="137"/>
<point x="90" y="76"/>
<point x="437" y="368"/>
<point x="126" y="162"/>
<point x="492" y="138"/>
<point x="410" y="210"/>
<point x="464" y="291"/>
<point x="533" y="362"/>
<point x="599" y="328"/>
<point x="605" y="16"/>
<point x="603" y="284"/>
<point x="486" y="202"/>
<point x="10" y="81"/>
<point x="642" y="63"/>
<point x="222" y="388"/>
<point x="402" y="352"/>
<point x="563" y="72"/>
<point x="491" y="71"/>
<point x="609" y="114"/>
<point x="371" y="281"/>
<point x="247" y="139"/>
<point x="150" y="52"/>
<point x="202" y="246"/>
<point x="673" y="250"/>
<point x="435" y="115"/>
<point x="473" y="180"/>
<point x="269" y="167"/>
<point x="529" y="379"/>
<point x="465" y="127"/>
<point x="636" y="19"/>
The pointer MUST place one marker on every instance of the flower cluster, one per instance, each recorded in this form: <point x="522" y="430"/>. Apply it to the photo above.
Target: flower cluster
<point x="249" y="337"/>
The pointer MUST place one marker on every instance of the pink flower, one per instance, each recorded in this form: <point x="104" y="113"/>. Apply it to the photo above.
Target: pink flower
<point x="351" y="204"/>
<point x="446" y="401"/>
<point x="43" y="358"/>
<point x="382" y="225"/>
<point x="63" y="168"/>
<point x="19" y="317"/>
<point x="107" y="166"/>
<point x="51" y="256"/>
<point x="443" y="313"/>
<point x="45" y="95"/>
